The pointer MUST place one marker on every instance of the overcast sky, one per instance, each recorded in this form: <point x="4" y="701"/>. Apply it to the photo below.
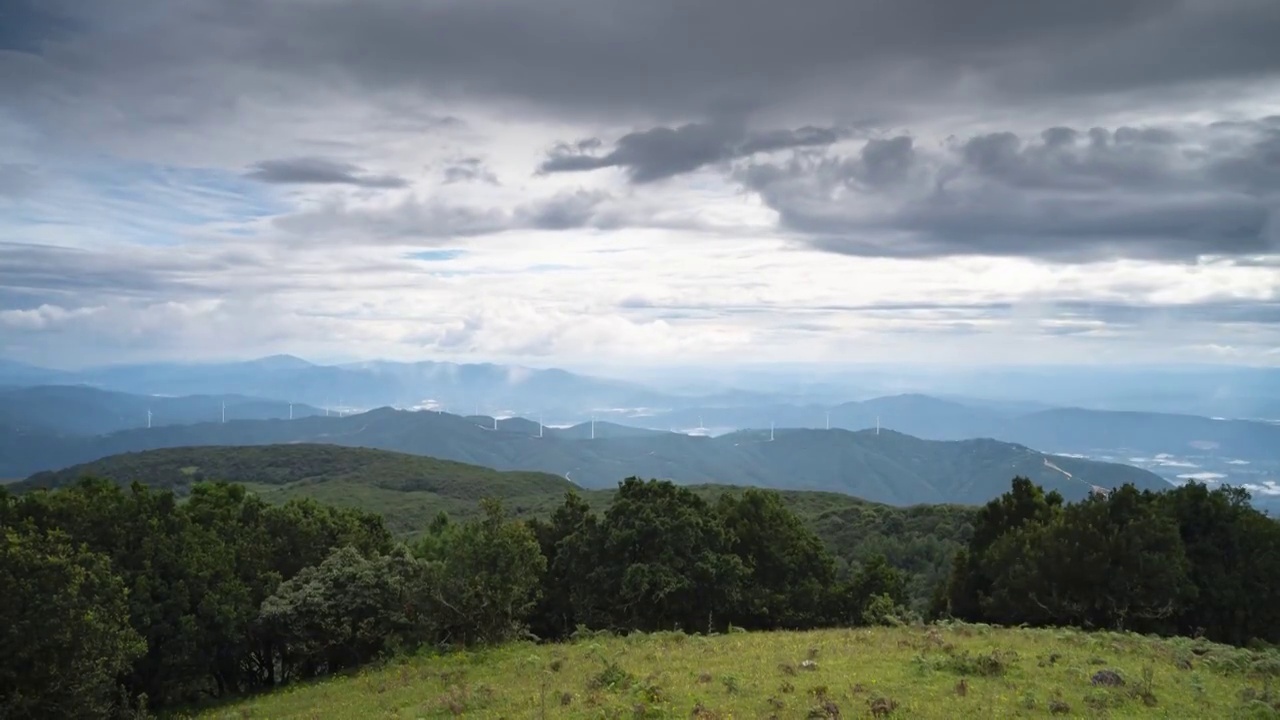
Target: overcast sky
<point x="631" y="182"/>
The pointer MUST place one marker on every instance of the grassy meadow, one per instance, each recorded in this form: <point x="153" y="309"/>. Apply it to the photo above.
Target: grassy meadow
<point x="938" y="671"/>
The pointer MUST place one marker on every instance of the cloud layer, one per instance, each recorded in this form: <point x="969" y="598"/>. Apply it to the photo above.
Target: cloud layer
<point x="727" y="179"/>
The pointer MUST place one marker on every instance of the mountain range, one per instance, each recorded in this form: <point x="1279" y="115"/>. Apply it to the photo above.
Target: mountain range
<point x="1235" y="392"/>
<point x="1072" y="430"/>
<point x="83" y="410"/>
<point x="460" y="387"/>
<point x="887" y="466"/>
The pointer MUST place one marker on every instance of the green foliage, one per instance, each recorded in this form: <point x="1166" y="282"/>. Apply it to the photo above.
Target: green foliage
<point x="411" y="492"/>
<point x="882" y="610"/>
<point x="876" y="595"/>
<point x="64" y="628"/>
<point x="408" y="490"/>
<point x="345" y="612"/>
<point x="484" y="581"/>
<point x="220" y="592"/>
<point x="1184" y="561"/>
<point x="566" y="543"/>
<point x="788" y="570"/>
<point x="659" y="560"/>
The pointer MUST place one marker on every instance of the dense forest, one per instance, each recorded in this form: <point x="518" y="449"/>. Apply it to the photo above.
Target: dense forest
<point x="1188" y="561"/>
<point x="408" y="491"/>
<point x="123" y="600"/>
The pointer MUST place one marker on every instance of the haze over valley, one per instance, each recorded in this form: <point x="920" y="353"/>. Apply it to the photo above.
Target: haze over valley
<point x="921" y="453"/>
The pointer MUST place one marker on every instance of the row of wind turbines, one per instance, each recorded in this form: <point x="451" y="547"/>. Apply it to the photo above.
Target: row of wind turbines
<point x="701" y="430"/>
<point x="340" y="412"/>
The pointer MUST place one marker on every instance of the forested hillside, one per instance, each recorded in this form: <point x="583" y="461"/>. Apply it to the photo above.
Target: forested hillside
<point x="408" y="491"/>
<point x="149" y="602"/>
<point x="884" y="467"/>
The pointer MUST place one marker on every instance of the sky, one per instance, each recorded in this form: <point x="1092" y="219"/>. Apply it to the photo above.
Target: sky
<point x="638" y="183"/>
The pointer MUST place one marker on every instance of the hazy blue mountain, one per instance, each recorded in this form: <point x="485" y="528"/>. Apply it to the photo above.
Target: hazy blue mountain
<point x="1073" y="430"/>
<point x="20" y="374"/>
<point x="913" y="414"/>
<point x="84" y="410"/>
<point x="1084" y="431"/>
<point x="478" y="387"/>
<point x="887" y="467"/>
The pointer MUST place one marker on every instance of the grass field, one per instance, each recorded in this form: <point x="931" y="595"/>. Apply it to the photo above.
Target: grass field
<point x="944" y="671"/>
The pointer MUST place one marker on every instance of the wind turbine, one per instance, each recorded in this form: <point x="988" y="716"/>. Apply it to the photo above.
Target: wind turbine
<point x="539" y="426"/>
<point x="828" y="419"/>
<point x="148" y="418"/>
<point x="593" y="427"/>
<point x="877" y="424"/>
<point x="701" y="430"/>
<point x="770" y="431"/>
<point x="224" y="411"/>
<point x="290" y="411"/>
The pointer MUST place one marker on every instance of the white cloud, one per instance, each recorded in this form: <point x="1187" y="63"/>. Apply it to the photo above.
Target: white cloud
<point x="164" y="248"/>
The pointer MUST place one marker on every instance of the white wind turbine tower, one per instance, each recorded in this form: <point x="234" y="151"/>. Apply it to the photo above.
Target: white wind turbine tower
<point x="770" y="431"/>
<point x="701" y="430"/>
<point x="224" y="411"/>
<point x="877" y="424"/>
<point x="828" y="419"/>
<point x="148" y="418"/>
<point x="593" y="427"/>
<point x="539" y="426"/>
<point x="290" y="411"/>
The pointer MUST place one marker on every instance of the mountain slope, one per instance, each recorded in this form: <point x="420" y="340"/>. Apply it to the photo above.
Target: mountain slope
<point x="84" y="410"/>
<point x="408" y="489"/>
<point x="486" y="386"/>
<point x="1076" y="430"/>
<point x="887" y="467"/>
<point x="1073" y="430"/>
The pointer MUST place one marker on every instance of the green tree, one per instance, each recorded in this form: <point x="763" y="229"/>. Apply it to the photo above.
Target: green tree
<point x="664" y="562"/>
<point x="567" y="541"/>
<point x="969" y="584"/>
<point x="64" y="628"/>
<point x="345" y="612"/>
<point x="485" y="582"/>
<point x="1106" y="562"/>
<point x="875" y="583"/>
<point x="789" y="572"/>
<point x="1233" y="553"/>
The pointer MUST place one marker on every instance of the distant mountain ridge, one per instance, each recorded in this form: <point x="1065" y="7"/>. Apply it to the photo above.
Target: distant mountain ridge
<point x="887" y="467"/>
<point x="84" y="410"/>
<point x="1072" y="430"/>
<point x="459" y="387"/>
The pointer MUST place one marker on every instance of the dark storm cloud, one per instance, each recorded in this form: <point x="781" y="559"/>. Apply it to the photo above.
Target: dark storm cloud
<point x="469" y="170"/>
<point x="1065" y="194"/>
<point x="435" y="220"/>
<point x="663" y="152"/>
<point x="319" y="171"/>
<point x="1079" y="311"/>
<point x="567" y="210"/>
<point x="661" y="60"/>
